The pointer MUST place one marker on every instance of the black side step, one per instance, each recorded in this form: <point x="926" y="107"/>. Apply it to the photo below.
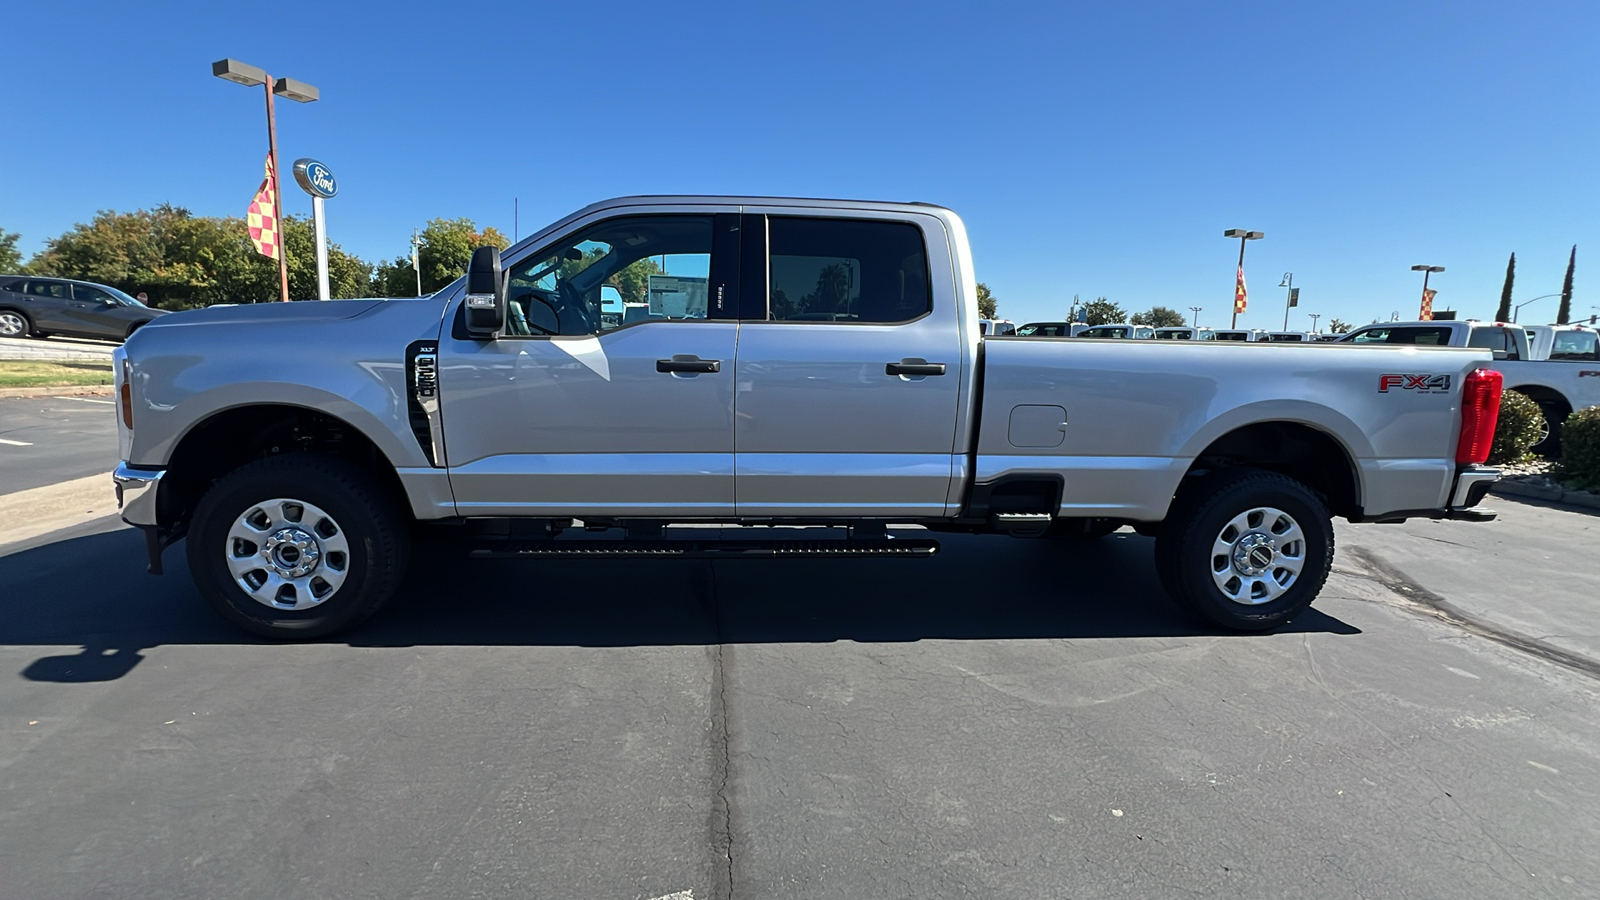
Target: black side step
<point x="708" y="549"/>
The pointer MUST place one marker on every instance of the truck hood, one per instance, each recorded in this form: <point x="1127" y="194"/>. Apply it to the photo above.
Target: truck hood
<point x="261" y="313"/>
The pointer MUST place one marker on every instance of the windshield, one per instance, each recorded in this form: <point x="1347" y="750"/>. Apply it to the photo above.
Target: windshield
<point x="122" y="298"/>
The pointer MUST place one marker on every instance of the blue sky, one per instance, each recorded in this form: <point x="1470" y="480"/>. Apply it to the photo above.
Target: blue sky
<point x="1093" y="149"/>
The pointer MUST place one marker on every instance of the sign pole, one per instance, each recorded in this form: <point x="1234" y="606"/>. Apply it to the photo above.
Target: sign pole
<point x="320" y="227"/>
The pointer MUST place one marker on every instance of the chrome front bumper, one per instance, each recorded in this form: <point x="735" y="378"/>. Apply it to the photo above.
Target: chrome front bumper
<point x="136" y="494"/>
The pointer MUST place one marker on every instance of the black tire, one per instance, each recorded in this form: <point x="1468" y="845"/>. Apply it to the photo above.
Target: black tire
<point x="371" y="523"/>
<point x="27" y="323"/>
<point x="1555" y="412"/>
<point x="1200" y="515"/>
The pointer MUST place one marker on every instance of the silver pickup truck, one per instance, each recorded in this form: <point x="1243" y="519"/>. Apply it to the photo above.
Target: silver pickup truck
<point x="654" y="361"/>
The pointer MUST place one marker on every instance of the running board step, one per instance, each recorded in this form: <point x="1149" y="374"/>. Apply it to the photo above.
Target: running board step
<point x="708" y="549"/>
<point x="1024" y="518"/>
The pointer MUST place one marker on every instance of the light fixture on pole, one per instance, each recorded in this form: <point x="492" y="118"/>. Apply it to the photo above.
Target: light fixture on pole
<point x="1427" y="301"/>
<point x="250" y="76"/>
<point x="1294" y="297"/>
<point x="1196" y="311"/>
<point x="1314" y="318"/>
<point x="1240" y="297"/>
<point x="1519" y="306"/>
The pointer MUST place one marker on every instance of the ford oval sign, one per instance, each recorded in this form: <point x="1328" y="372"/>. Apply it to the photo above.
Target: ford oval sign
<point x="316" y="178"/>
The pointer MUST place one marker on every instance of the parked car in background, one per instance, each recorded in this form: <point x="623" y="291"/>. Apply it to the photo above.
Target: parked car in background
<point x="1140" y="332"/>
<point x="1246" y="335"/>
<point x="1184" y="333"/>
<point x="1568" y="342"/>
<point x="1328" y="338"/>
<point x="996" y="327"/>
<point x="1051" y="329"/>
<point x="44" y="306"/>
<point x="1290" y="337"/>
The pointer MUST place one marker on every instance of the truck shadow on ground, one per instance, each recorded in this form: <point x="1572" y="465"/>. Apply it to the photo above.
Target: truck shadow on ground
<point x="92" y="591"/>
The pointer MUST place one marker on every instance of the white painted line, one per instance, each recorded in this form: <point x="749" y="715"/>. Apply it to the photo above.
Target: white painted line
<point x="15" y="443"/>
<point x="676" y="895"/>
<point x="89" y="400"/>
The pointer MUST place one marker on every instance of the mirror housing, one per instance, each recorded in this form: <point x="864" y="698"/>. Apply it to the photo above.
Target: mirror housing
<point x="486" y="295"/>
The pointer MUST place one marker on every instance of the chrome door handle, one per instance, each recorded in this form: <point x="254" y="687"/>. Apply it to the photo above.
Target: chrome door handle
<point x="913" y="367"/>
<point x="688" y="364"/>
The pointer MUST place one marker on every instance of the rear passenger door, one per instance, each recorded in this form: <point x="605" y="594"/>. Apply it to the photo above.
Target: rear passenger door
<point x="46" y="303"/>
<point x="849" y="371"/>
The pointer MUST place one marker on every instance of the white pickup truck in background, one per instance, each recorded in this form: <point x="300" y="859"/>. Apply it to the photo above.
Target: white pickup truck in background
<point x="1555" y="366"/>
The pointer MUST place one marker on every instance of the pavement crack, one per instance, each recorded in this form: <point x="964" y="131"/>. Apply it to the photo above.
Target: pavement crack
<point x="720" y="826"/>
<point x="1417" y="597"/>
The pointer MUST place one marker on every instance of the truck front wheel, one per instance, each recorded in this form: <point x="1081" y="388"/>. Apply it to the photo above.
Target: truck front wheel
<point x="296" y="547"/>
<point x="1246" y="549"/>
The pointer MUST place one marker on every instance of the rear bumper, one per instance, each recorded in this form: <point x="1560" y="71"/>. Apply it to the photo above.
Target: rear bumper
<point x="1472" y="484"/>
<point x="136" y="493"/>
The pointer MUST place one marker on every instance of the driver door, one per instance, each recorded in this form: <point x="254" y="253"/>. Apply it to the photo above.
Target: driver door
<point x="610" y="391"/>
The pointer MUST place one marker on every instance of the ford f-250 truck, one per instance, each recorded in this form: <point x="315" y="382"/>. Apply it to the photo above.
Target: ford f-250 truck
<point x="778" y="362"/>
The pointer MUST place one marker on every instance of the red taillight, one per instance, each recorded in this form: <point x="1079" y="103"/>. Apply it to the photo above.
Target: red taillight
<point x="1480" y="409"/>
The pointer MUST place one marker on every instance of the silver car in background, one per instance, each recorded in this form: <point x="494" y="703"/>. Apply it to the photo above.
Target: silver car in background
<point x="41" y="307"/>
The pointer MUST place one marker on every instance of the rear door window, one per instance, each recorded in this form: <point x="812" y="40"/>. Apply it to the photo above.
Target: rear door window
<point x="56" y="289"/>
<point x="847" y="271"/>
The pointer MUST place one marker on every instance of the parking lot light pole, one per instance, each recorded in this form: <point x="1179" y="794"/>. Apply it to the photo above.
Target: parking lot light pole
<point x="1426" y="271"/>
<point x="1243" y="236"/>
<point x="250" y="76"/>
<point x="1196" y="311"/>
<point x="1291" y="299"/>
<point x="1314" y="318"/>
<point x="1518" y="308"/>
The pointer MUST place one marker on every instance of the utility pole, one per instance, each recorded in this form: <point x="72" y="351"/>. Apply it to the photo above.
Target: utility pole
<point x="1196" y="311"/>
<point x="1314" y="318"/>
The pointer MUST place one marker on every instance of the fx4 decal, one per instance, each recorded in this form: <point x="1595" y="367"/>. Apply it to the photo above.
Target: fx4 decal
<point x="1422" y="384"/>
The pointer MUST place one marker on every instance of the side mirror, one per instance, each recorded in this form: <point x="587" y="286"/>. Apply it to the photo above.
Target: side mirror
<point x="486" y="295"/>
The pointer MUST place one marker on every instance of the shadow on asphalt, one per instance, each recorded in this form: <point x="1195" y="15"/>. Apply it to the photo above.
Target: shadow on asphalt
<point x="92" y="591"/>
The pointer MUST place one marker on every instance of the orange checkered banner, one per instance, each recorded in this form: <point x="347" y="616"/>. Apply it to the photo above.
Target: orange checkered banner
<point x="1240" y="295"/>
<point x="262" y="217"/>
<point x="1427" y="305"/>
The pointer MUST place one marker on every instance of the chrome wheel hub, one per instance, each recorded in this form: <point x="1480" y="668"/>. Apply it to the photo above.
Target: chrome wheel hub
<point x="1258" y="556"/>
<point x="292" y="552"/>
<point x="10" y="324"/>
<point x="287" y="554"/>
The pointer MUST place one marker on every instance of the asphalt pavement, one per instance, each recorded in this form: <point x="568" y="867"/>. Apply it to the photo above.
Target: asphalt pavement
<point x="1008" y="719"/>
<point x="47" y="440"/>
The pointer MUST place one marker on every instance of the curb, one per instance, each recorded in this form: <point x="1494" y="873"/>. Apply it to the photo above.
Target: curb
<point x="80" y="390"/>
<point x="1543" y="489"/>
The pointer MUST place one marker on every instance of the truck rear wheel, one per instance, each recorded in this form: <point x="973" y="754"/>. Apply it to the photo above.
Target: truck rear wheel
<point x="1246" y="549"/>
<point x="297" y="547"/>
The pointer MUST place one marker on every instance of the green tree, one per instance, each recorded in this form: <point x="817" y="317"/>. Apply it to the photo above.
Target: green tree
<point x="446" y="247"/>
<point x="1503" y="313"/>
<point x="1103" y="312"/>
<point x="1565" y="312"/>
<point x="1338" y="326"/>
<point x="10" y="256"/>
<point x="1159" y="317"/>
<point x="987" y="307"/>
<point x="184" y="261"/>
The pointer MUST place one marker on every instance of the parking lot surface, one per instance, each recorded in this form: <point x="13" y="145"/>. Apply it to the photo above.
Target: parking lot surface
<point x="48" y="440"/>
<point x="1008" y="719"/>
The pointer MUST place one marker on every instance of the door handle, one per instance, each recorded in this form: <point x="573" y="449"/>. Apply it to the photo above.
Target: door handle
<point x="913" y="367"/>
<point x="688" y="364"/>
